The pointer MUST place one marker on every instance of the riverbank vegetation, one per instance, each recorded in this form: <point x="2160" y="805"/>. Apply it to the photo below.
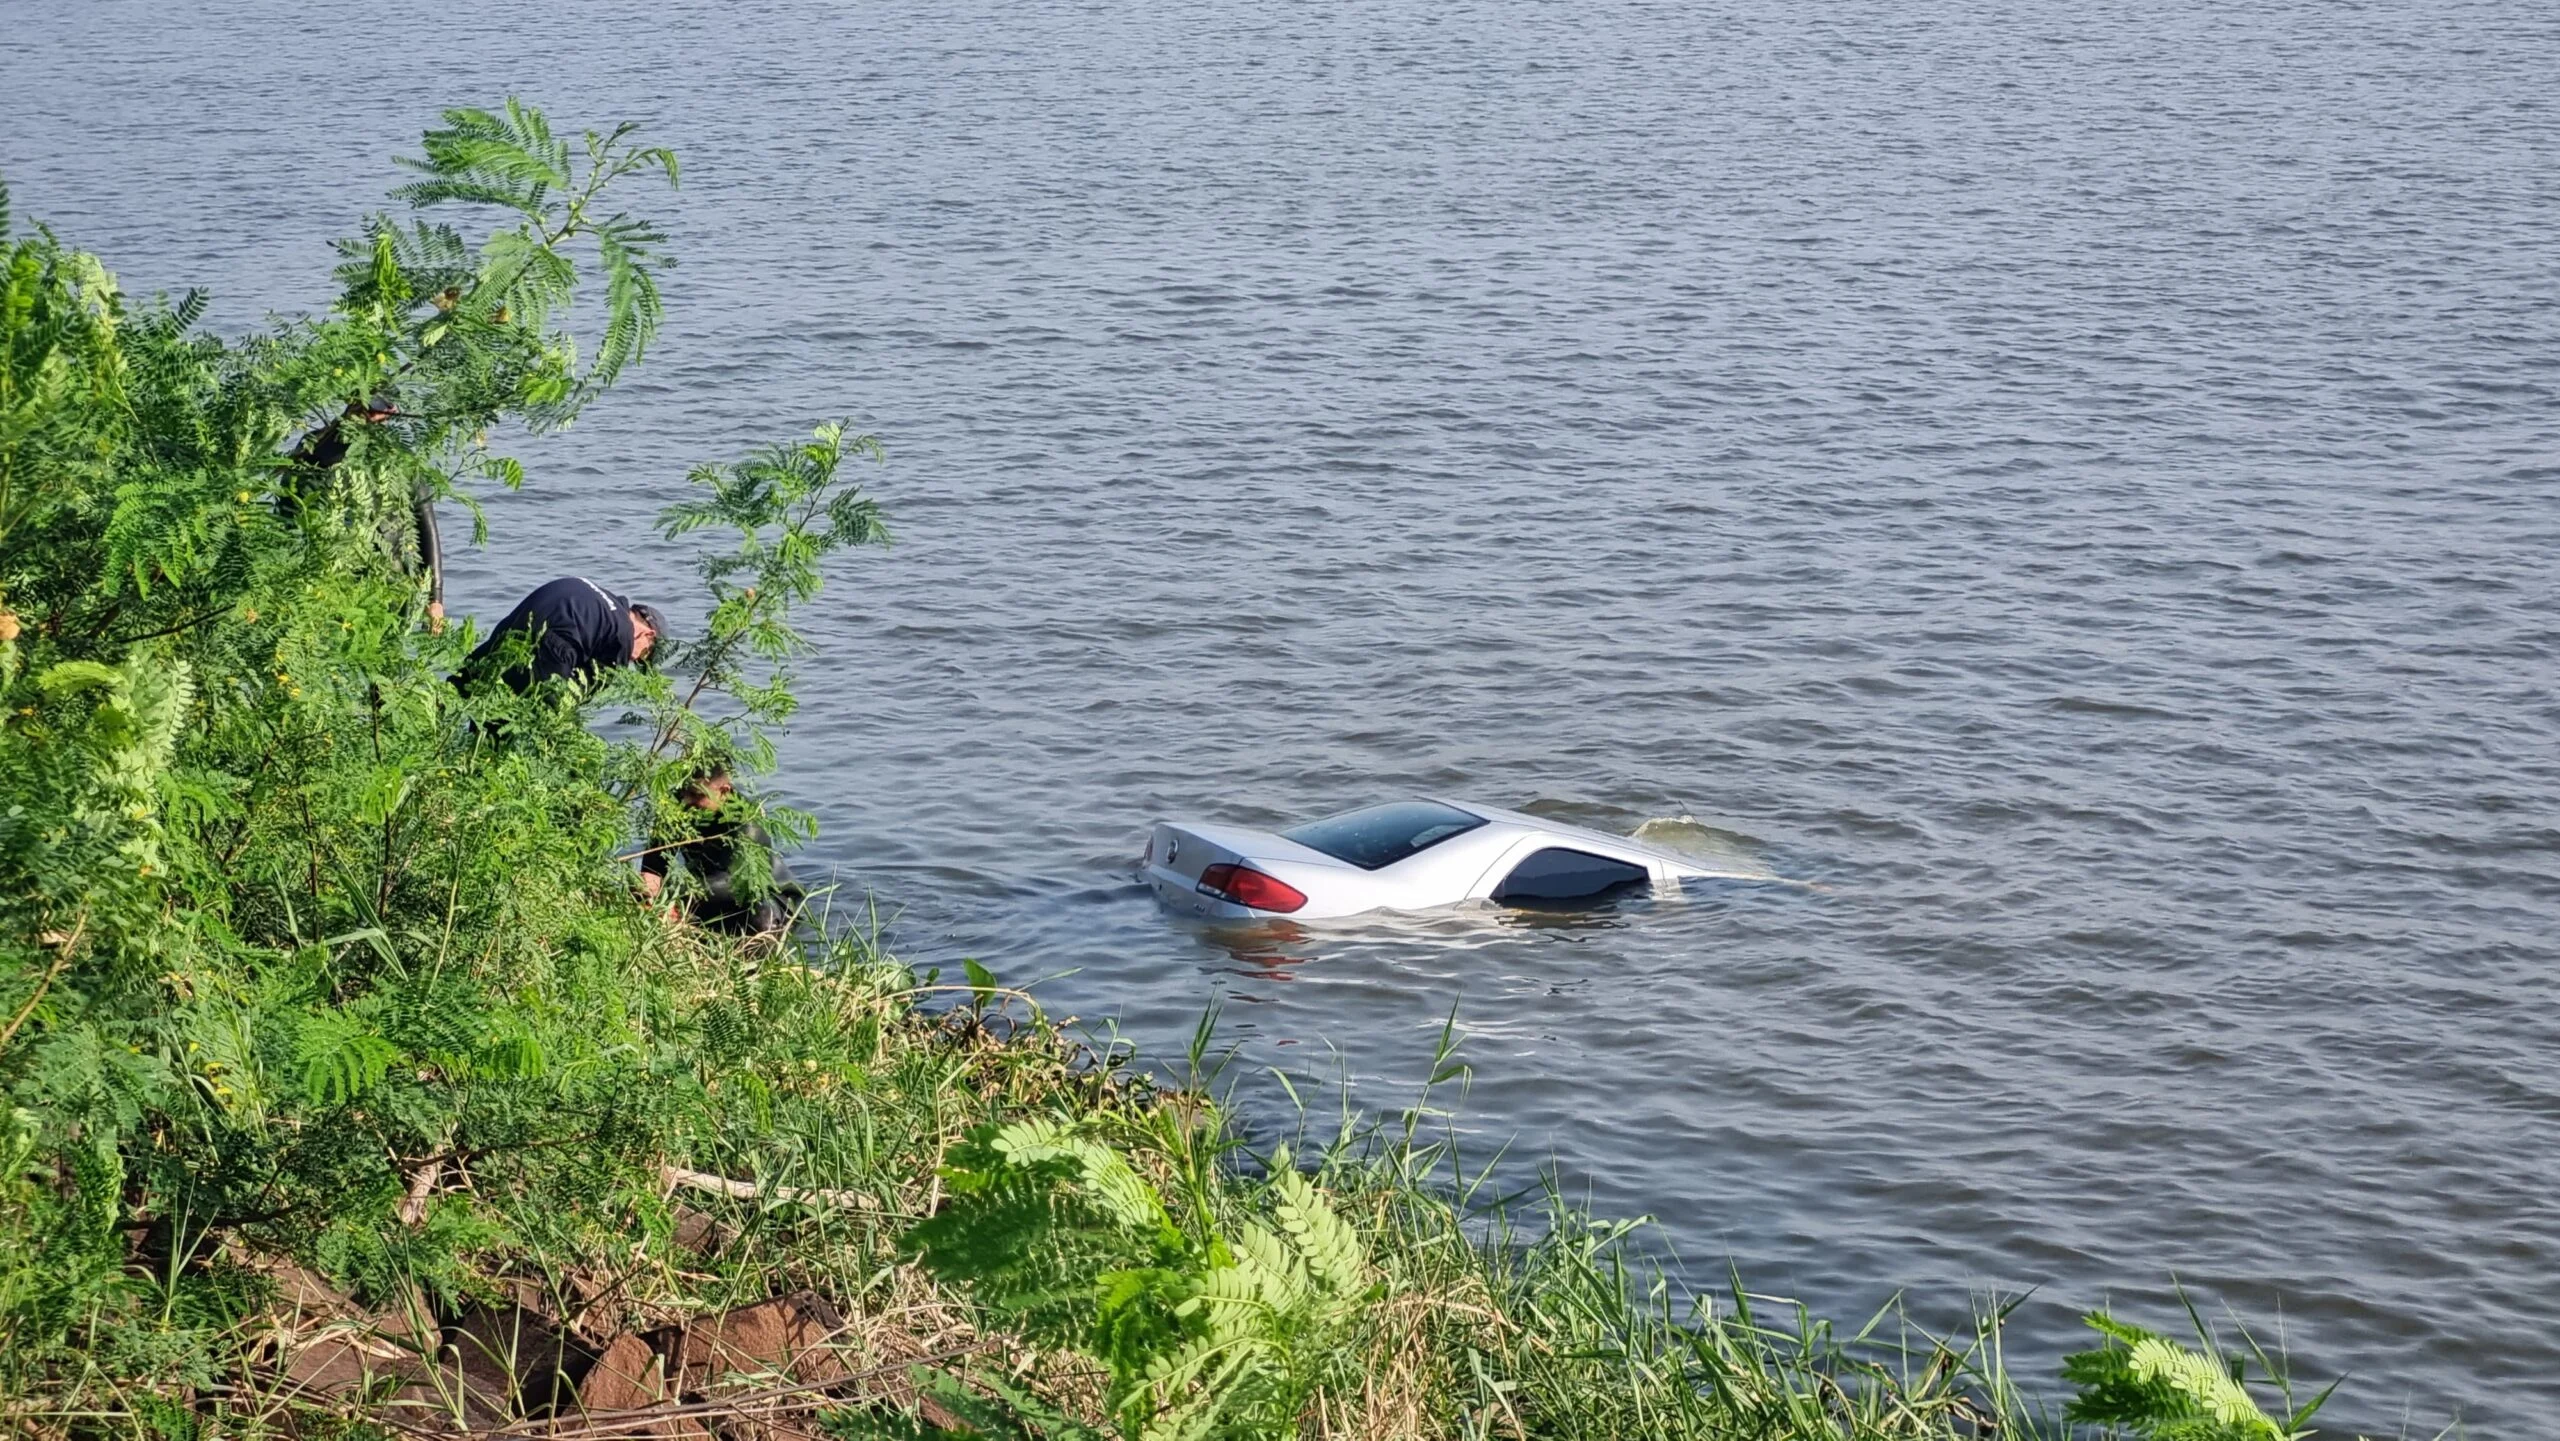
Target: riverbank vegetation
<point x="349" y="1091"/>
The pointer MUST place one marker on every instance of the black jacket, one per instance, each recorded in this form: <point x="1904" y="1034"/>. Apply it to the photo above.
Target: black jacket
<point x="577" y="626"/>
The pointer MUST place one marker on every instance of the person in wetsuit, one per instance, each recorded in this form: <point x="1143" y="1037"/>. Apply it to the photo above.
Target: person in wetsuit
<point x="709" y="847"/>
<point x="325" y="449"/>
<point x="578" y="630"/>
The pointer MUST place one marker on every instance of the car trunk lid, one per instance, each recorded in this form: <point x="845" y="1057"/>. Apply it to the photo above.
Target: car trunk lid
<point x="1180" y="850"/>
<point x="1186" y="848"/>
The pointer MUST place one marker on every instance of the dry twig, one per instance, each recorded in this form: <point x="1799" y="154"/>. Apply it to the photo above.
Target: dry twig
<point x="674" y="1176"/>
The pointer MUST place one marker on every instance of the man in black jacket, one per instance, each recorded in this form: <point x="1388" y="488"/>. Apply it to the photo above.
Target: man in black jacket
<point x="577" y="629"/>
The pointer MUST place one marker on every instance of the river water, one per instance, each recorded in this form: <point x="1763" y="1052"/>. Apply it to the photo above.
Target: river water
<point x="2080" y="482"/>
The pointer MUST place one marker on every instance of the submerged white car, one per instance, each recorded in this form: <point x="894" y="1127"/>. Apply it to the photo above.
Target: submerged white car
<point x="1403" y="856"/>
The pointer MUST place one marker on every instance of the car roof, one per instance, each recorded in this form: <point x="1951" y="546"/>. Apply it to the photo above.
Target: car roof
<point x="1501" y="828"/>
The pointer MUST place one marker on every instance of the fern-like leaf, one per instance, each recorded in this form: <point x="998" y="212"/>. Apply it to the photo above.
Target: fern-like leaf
<point x="1191" y="1386"/>
<point x="1117" y="1189"/>
<point x="2142" y="1384"/>
<point x="522" y="279"/>
<point x="340" y="1058"/>
<point x="1331" y="1250"/>
<point x="633" y="309"/>
<point x="2204" y="1381"/>
<point x="510" y="160"/>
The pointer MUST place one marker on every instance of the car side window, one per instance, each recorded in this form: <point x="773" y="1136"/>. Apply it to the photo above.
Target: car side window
<point x="1557" y="874"/>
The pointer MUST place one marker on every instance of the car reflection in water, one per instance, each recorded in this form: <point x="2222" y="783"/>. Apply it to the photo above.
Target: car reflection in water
<point x="1271" y="951"/>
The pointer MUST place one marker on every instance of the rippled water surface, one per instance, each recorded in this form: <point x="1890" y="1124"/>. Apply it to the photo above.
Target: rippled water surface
<point x="2079" y="481"/>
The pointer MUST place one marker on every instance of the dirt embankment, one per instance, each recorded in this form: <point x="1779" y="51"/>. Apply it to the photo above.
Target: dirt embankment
<point x="562" y="1363"/>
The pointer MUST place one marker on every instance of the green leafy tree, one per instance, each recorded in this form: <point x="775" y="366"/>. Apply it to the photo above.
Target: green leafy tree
<point x="292" y="954"/>
<point x="150" y="475"/>
<point x="784" y="512"/>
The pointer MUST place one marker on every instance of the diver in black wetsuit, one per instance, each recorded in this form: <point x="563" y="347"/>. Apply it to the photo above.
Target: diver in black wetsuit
<point x="578" y="630"/>
<point x="709" y="847"/>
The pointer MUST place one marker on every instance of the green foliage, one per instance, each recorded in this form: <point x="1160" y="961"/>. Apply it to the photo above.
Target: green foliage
<point x="1268" y="1312"/>
<point x="1221" y="1332"/>
<point x="340" y="1058"/>
<point x="289" y="947"/>
<point x="782" y="512"/>
<point x="994" y="1408"/>
<point x="1037" y="1215"/>
<point x="527" y="273"/>
<point x="785" y="511"/>
<point x="2139" y="1383"/>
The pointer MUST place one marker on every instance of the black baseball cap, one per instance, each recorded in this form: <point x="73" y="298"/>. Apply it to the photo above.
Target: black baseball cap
<point x="649" y="616"/>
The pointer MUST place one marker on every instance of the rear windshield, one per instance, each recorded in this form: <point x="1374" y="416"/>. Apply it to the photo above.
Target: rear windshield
<point x="1384" y="835"/>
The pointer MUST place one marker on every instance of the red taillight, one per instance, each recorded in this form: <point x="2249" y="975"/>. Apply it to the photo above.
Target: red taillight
<point x="1248" y="887"/>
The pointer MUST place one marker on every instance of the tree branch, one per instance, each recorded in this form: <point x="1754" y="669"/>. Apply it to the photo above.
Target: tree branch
<point x="674" y="1176"/>
<point x="62" y="950"/>
<point x="199" y="618"/>
<point x="422" y="1184"/>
